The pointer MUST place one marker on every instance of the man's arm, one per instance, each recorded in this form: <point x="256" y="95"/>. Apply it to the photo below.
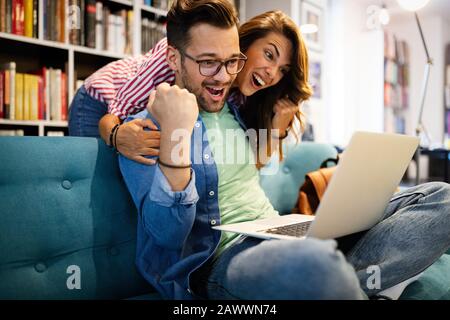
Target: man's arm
<point x="284" y="112"/>
<point x="176" y="111"/>
<point x="166" y="197"/>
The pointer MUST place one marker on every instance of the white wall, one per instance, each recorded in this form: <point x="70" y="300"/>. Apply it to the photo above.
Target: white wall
<point x="354" y="61"/>
<point x="437" y="32"/>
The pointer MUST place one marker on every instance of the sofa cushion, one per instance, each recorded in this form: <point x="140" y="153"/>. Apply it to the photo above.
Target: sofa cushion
<point x="63" y="204"/>
<point x="434" y="284"/>
<point x="282" y="184"/>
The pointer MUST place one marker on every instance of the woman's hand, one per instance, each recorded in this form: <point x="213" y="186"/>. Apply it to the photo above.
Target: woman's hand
<point x="134" y="142"/>
<point x="285" y="111"/>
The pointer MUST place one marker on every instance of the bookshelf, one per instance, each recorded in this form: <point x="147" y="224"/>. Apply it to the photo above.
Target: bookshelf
<point x="396" y="83"/>
<point x="76" y="60"/>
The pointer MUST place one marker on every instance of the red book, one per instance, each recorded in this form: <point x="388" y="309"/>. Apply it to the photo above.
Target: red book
<point x="18" y="17"/>
<point x="1" y="93"/>
<point x="63" y="96"/>
<point x="41" y="98"/>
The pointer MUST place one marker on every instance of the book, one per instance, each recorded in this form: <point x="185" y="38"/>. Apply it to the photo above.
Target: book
<point x="18" y="17"/>
<point x="34" y="97"/>
<point x="35" y="18"/>
<point x="19" y="96"/>
<point x="28" y="4"/>
<point x="41" y="98"/>
<point x="26" y="109"/>
<point x="10" y="90"/>
<point x="99" y="26"/>
<point x="61" y="21"/>
<point x="129" y="38"/>
<point x="2" y="81"/>
<point x="74" y="22"/>
<point x="90" y="19"/>
<point x="63" y="96"/>
<point x="8" y="14"/>
<point x="2" y="15"/>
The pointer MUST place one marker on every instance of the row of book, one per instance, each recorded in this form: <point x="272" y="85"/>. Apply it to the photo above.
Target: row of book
<point x="159" y="4"/>
<point x="395" y="49"/>
<point x="101" y="28"/>
<point x="151" y="32"/>
<point x="396" y="97"/>
<point x="19" y="17"/>
<point x="394" y="121"/>
<point x="87" y="23"/>
<point x="39" y="96"/>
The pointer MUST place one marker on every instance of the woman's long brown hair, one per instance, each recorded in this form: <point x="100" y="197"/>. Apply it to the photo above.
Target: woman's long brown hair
<point x="257" y="111"/>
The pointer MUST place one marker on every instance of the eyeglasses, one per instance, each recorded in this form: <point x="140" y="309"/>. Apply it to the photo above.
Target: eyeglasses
<point x="209" y="68"/>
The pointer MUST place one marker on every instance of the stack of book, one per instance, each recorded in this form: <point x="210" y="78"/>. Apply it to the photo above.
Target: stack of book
<point x="39" y="96"/>
<point x="19" y="17"/>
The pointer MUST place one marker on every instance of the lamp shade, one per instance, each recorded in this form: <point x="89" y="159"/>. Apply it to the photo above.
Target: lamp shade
<point x="413" y="5"/>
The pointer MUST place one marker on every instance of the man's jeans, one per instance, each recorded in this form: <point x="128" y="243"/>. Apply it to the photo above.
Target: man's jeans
<point x="413" y="234"/>
<point x="84" y="114"/>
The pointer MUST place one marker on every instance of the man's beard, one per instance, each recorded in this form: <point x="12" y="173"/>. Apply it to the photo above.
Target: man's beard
<point x="202" y="103"/>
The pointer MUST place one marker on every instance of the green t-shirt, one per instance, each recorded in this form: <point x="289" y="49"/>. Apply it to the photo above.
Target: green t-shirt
<point x="241" y="197"/>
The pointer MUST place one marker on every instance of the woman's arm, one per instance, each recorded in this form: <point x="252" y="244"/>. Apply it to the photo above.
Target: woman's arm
<point x="284" y="111"/>
<point x="132" y="141"/>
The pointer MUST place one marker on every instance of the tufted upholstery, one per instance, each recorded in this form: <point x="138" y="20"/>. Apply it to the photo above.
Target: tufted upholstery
<point x="63" y="203"/>
<point x="282" y="188"/>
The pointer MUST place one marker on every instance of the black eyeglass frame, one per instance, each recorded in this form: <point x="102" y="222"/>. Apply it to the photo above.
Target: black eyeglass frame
<point x="243" y="57"/>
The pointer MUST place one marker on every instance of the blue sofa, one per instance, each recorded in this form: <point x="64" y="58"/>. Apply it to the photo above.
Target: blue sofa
<point x="67" y="223"/>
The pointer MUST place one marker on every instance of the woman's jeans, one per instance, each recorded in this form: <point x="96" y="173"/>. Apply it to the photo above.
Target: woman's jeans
<point x="414" y="233"/>
<point x="84" y="114"/>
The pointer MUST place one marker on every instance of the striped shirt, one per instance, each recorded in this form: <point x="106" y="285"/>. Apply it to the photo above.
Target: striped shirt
<point x="125" y="85"/>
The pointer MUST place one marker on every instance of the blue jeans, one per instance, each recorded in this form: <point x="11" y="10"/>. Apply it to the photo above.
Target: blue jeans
<point x="414" y="233"/>
<point x="84" y="114"/>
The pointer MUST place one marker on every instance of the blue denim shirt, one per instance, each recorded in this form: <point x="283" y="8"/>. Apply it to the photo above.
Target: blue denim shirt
<point x="174" y="234"/>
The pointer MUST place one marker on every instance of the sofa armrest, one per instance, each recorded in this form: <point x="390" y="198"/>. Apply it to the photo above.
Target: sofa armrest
<point x="281" y="184"/>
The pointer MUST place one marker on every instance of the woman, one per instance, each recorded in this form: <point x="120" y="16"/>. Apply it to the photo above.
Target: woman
<point x="272" y="84"/>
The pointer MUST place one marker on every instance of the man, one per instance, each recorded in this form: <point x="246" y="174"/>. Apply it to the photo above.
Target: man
<point x="188" y="192"/>
<point x="177" y="204"/>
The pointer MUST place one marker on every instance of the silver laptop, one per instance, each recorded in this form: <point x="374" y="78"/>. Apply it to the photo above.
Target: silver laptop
<point x="369" y="171"/>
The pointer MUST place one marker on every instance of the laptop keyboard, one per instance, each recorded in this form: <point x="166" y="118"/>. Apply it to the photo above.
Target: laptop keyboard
<point x="295" y="230"/>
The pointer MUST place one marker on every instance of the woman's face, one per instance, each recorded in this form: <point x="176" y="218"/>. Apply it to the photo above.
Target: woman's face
<point x="269" y="59"/>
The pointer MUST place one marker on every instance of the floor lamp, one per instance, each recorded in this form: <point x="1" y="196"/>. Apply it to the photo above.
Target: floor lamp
<point x="415" y="5"/>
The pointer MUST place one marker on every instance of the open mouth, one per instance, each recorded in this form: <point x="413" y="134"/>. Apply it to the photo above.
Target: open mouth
<point x="258" y="81"/>
<point x="216" y="93"/>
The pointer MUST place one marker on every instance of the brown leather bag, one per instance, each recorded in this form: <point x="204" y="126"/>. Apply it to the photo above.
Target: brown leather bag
<point x="312" y="190"/>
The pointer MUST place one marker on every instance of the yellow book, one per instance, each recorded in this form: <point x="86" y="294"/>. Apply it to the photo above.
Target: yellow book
<point x="26" y="97"/>
<point x="28" y="18"/>
<point x="34" y="97"/>
<point x="19" y="97"/>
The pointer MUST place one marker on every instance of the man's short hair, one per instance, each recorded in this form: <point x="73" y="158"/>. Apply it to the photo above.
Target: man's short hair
<point x="184" y="14"/>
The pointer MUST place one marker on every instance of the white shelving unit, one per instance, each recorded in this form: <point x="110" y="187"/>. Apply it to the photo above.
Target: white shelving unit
<point x="70" y="54"/>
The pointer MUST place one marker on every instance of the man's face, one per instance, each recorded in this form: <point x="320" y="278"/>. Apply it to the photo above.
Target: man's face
<point x="208" y="43"/>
